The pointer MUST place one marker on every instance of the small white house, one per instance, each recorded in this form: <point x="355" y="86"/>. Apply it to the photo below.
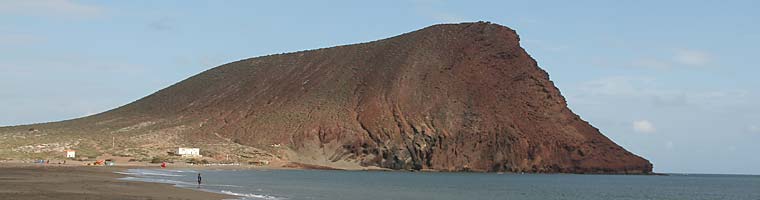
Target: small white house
<point x="71" y="153"/>
<point x="189" y="152"/>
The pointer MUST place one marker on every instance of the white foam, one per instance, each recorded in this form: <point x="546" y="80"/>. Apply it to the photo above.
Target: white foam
<point x="156" y="180"/>
<point x="127" y="173"/>
<point x="223" y="185"/>
<point x="251" y="195"/>
<point x="183" y="171"/>
<point x="147" y="173"/>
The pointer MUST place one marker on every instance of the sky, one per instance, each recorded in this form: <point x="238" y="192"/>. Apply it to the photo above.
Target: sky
<point x="673" y="81"/>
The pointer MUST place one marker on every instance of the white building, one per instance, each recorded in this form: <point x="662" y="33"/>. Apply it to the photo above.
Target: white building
<point x="71" y="153"/>
<point x="189" y="152"/>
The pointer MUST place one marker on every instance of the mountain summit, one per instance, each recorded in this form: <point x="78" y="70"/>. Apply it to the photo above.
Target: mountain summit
<point x="450" y="97"/>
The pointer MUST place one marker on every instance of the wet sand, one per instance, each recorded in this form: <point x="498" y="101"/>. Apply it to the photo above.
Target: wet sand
<point x="29" y="181"/>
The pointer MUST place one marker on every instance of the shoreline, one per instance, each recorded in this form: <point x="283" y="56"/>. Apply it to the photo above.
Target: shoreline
<point x="70" y="182"/>
<point x="296" y="166"/>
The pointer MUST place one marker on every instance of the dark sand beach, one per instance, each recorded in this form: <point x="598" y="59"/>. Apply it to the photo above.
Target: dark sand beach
<point x="18" y="181"/>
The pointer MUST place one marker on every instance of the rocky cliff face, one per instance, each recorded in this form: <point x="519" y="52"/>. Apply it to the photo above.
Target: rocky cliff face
<point x="450" y="97"/>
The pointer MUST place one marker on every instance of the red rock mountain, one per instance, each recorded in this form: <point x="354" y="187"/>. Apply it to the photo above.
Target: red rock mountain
<point x="451" y="97"/>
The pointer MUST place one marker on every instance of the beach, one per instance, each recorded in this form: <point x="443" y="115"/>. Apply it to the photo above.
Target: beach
<point x="64" y="182"/>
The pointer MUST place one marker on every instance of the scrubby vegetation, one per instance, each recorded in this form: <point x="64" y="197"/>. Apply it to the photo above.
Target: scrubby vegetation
<point x="159" y="159"/>
<point x="197" y="161"/>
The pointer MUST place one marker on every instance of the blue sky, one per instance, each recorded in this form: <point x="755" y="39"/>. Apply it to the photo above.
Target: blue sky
<point x="673" y="81"/>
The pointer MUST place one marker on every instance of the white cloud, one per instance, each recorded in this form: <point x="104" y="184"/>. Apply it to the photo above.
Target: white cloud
<point x="691" y="57"/>
<point x="643" y="126"/>
<point x="48" y="7"/>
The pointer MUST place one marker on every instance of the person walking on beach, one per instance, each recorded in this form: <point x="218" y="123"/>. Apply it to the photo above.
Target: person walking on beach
<point x="199" y="179"/>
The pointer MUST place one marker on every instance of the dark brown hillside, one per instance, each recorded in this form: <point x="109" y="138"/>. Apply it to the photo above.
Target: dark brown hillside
<point x="449" y="97"/>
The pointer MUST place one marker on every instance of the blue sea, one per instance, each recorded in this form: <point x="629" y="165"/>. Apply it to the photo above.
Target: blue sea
<point x="360" y="185"/>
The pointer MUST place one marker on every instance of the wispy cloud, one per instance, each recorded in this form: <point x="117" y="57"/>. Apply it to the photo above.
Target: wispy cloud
<point x="49" y="8"/>
<point x="643" y="126"/>
<point x="643" y="89"/>
<point x="679" y="58"/>
<point x="617" y="86"/>
<point x="753" y="129"/>
<point x="161" y="24"/>
<point x="691" y="57"/>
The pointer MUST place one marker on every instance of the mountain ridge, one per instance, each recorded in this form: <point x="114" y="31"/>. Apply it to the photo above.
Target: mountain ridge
<point x="449" y="97"/>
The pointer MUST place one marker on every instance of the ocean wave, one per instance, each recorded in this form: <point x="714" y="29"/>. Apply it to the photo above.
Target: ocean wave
<point x="127" y="173"/>
<point x="183" y="171"/>
<point x="223" y="185"/>
<point x="158" y="180"/>
<point x="175" y="182"/>
<point x="146" y="172"/>
<point x="159" y="174"/>
<point x="251" y="195"/>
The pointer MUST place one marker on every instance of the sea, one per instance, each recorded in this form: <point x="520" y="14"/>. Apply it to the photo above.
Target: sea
<point x="381" y="185"/>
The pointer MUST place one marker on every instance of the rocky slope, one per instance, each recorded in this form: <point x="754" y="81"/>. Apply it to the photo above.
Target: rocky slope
<point x="451" y="97"/>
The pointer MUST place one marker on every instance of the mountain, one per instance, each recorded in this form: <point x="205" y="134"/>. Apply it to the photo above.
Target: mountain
<point x="450" y="97"/>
